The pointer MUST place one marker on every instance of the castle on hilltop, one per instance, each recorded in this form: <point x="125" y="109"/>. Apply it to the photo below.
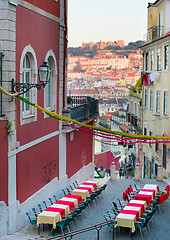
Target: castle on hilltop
<point x="102" y="45"/>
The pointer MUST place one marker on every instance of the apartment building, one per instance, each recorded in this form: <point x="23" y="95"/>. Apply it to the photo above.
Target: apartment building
<point x="134" y="116"/>
<point x="156" y="88"/>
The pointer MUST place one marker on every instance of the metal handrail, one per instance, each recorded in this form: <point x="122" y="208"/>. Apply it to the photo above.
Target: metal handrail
<point x="73" y="233"/>
<point x="83" y="108"/>
<point x="154" y="33"/>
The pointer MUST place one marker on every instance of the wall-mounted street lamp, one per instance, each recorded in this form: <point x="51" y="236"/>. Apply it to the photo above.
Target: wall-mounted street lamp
<point x="44" y="74"/>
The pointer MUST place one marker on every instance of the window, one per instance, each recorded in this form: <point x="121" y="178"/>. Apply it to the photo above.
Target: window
<point x="158" y="101"/>
<point x="156" y="147"/>
<point x="50" y="91"/>
<point x="151" y="99"/>
<point x="26" y="78"/>
<point x="161" y="22"/>
<point x="146" y="63"/>
<point x="146" y="98"/>
<point x="166" y="50"/>
<point x="165" y="102"/>
<point x="131" y="106"/>
<point x="28" y="74"/>
<point x="152" y="60"/>
<point x="158" y="59"/>
<point x="145" y="131"/>
<point x="135" y="109"/>
<point x="139" y="110"/>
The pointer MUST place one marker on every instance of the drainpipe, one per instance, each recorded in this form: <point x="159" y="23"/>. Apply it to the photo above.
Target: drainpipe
<point x="1" y="55"/>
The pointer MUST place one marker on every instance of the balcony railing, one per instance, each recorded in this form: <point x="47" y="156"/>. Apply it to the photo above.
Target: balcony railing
<point x="154" y="33"/>
<point x="84" y="108"/>
<point x="134" y="120"/>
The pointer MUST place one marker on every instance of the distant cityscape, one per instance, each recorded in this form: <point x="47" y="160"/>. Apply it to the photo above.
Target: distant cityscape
<point x="104" y="71"/>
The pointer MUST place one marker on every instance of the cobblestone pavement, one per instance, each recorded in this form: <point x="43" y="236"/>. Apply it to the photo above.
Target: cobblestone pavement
<point x="159" y="229"/>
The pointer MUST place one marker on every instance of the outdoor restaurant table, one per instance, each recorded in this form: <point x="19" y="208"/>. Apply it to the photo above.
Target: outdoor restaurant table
<point x="47" y="217"/>
<point x="78" y="197"/>
<point x="144" y="197"/>
<point x="83" y="193"/>
<point x="68" y="203"/>
<point x="136" y="205"/>
<point x="65" y="207"/>
<point x="139" y="202"/>
<point x="86" y="188"/>
<point x="133" y="208"/>
<point x="91" y="184"/>
<point x="54" y="209"/>
<point x="149" y="190"/>
<point x="74" y="200"/>
<point x="96" y="182"/>
<point x="146" y="193"/>
<point x="132" y="212"/>
<point x="151" y="186"/>
<point x="126" y="220"/>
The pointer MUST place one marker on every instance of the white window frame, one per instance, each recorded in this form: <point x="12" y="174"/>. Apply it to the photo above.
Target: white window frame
<point x="158" y="93"/>
<point x="53" y="83"/>
<point x="166" y="55"/>
<point x="151" y="99"/>
<point x="165" y="103"/>
<point x="135" y="108"/>
<point x="152" y="60"/>
<point x="146" y="61"/>
<point x="31" y="115"/>
<point x="158" y="59"/>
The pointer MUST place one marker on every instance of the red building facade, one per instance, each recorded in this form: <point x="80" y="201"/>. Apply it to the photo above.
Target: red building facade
<point x="38" y="157"/>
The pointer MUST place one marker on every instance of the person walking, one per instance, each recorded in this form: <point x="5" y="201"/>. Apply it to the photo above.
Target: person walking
<point x="120" y="172"/>
<point x="129" y="169"/>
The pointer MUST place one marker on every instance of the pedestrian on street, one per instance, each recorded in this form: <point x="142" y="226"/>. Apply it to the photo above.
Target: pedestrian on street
<point x="129" y="169"/>
<point x="120" y="172"/>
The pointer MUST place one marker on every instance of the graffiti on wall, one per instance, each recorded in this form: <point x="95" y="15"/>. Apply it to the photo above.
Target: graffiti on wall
<point x="83" y="158"/>
<point x="48" y="171"/>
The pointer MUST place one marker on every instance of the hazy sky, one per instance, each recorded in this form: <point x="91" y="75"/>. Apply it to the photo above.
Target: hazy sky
<point x="106" y="20"/>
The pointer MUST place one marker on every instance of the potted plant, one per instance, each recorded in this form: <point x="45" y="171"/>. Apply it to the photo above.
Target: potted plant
<point x="69" y="102"/>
